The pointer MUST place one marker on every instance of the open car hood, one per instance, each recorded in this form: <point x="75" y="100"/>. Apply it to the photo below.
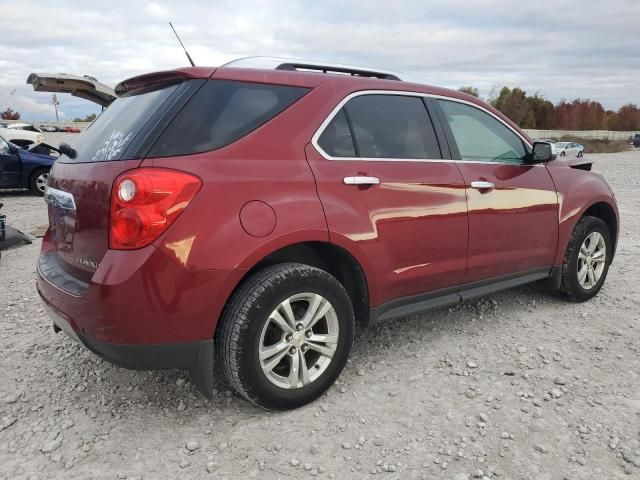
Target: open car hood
<point x="84" y="87"/>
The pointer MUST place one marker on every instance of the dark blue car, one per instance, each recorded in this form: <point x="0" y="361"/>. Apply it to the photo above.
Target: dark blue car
<point x="20" y="168"/>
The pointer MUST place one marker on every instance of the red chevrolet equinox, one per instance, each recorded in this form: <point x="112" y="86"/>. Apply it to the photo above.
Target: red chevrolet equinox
<point x="253" y="216"/>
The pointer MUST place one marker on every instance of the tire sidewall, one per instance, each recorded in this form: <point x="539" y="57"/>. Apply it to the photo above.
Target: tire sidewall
<point x="591" y="225"/>
<point x="261" y="387"/>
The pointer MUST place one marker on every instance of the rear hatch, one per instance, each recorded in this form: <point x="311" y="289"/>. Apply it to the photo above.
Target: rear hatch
<point x="79" y="188"/>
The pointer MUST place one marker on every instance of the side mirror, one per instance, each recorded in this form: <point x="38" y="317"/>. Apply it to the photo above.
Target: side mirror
<point x="542" y="152"/>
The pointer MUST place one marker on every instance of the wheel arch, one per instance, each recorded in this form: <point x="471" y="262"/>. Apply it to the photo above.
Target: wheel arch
<point x="605" y="212"/>
<point x="328" y="257"/>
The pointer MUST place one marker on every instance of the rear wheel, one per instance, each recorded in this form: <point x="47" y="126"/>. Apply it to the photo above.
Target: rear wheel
<point x="38" y="182"/>
<point x="580" y="154"/>
<point x="285" y="335"/>
<point x="587" y="259"/>
<point x="562" y="154"/>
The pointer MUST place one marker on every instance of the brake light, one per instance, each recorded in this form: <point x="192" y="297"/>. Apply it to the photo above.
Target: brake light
<point x="144" y="202"/>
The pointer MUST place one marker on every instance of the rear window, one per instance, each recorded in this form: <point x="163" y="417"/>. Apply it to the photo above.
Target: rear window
<point x="112" y="132"/>
<point x="221" y="112"/>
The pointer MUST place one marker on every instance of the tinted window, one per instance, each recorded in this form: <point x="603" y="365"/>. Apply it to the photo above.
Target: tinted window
<point x="336" y="139"/>
<point x="109" y="135"/>
<point x="480" y="136"/>
<point x="392" y="126"/>
<point x="221" y="112"/>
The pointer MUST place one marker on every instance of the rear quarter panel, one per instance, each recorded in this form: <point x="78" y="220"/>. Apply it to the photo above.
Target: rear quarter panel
<point x="267" y="165"/>
<point x="577" y="190"/>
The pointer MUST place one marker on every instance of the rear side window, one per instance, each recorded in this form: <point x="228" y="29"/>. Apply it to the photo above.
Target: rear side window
<point x="480" y="137"/>
<point x="382" y="126"/>
<point x="336" y="139"/>
<point x="221" y="112"/>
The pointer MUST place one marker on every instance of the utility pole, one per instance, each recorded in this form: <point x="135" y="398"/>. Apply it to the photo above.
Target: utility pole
<point x="54" y="101"/>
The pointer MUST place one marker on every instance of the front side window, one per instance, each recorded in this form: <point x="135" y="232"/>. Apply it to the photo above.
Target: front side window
<point x="481" y="137"/>
<point x="4" y="147"/>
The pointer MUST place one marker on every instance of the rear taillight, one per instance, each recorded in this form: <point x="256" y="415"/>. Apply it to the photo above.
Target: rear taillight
<point x="144" y="202"/>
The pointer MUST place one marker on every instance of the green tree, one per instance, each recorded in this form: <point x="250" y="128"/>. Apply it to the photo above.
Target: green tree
<point x="542" y="111"/>
<point x="514" y="104"/>
<point x="89" y="118"/>
<point x="470" y="90"/>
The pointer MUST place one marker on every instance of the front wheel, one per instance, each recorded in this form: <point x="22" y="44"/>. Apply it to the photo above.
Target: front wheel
<point x="580" y="154"/>
<point x="587" y="259"/>
<point x="285" y="335"/>
<point x="39" y="180"/>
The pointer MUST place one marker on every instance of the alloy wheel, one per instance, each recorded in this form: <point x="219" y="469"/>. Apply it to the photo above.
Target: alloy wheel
<point x="591" y="260"/>
<point x="298" y="340"/>
<point x="41" y="181"/>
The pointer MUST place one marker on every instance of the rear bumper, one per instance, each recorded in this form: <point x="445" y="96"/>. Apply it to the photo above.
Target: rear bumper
<point x="195" y="357"/>
<point x="140" y="310"/>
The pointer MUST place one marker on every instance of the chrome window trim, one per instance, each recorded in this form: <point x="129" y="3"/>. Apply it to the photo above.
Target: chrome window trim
<point x="407" y="93"/>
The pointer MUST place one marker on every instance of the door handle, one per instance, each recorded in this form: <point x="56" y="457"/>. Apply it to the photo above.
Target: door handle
<point x="361" y="180"/>
<point x="482" y="185"/>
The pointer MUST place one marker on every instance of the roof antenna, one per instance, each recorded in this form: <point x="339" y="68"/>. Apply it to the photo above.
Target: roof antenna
<point x="181" y="44"/>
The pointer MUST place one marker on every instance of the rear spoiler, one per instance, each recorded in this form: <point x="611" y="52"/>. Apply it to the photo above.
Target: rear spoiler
<point x="85" y="87"/>
<point x="168" y="76"/>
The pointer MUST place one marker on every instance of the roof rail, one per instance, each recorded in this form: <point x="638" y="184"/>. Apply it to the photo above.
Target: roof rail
<point x="275" y="63"/>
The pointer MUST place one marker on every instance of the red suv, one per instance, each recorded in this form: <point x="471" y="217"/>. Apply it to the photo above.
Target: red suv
<point x="262" y="213"/>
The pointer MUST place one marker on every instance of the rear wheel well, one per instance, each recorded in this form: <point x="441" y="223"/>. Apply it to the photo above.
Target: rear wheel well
<point x="604" y="212"/>
<point x="332" y="259"/>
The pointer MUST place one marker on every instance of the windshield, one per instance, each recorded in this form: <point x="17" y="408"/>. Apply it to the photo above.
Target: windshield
<point x="108" y="137"/>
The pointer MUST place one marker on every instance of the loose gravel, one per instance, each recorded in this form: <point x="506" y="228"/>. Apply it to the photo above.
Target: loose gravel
<point x="518" y="385"/>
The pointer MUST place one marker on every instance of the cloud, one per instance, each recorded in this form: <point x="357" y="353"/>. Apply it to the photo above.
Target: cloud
<point x="561" y="48"/>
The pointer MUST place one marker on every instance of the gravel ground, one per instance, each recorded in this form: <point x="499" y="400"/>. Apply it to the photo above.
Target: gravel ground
<point x="519" y="385"/>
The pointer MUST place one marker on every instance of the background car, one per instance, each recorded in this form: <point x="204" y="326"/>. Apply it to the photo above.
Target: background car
<point x="20" y="168"/>
<point x="24" y="126"/>
<point x="636" y="140"/>
<point x="22" y="138"/>
<point x="71" y="130"/>
<point x="569" y="149"/>
<point x="49" y="128"/>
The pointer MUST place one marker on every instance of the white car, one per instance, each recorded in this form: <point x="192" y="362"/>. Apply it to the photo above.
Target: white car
<point x="22" y="138"/>
<point x="569" y="149"/>
<point x="24" y="126"/>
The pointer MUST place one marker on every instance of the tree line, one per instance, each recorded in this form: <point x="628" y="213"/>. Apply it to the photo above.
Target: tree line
<point x="536" y="112"/>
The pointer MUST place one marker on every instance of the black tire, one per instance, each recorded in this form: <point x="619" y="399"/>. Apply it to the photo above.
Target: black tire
<point x="244" y="317"/>
<point x="580" y="154"/>
<point x="33" y="181"/>
<point x="570" y="287"/>
<point x="562" y="154"/>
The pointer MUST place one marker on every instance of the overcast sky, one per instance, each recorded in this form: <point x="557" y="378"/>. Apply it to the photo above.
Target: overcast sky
<point x="561" y="48"/>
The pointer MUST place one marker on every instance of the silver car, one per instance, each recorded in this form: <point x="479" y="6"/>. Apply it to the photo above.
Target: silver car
<point x="564" y="149"/>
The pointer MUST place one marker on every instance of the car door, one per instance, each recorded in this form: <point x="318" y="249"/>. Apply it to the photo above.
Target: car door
<point x="513" y="206"/>
<point x="570" y="150"/>
<point x="10" y="166"/>
<point x="389" y="196"/>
